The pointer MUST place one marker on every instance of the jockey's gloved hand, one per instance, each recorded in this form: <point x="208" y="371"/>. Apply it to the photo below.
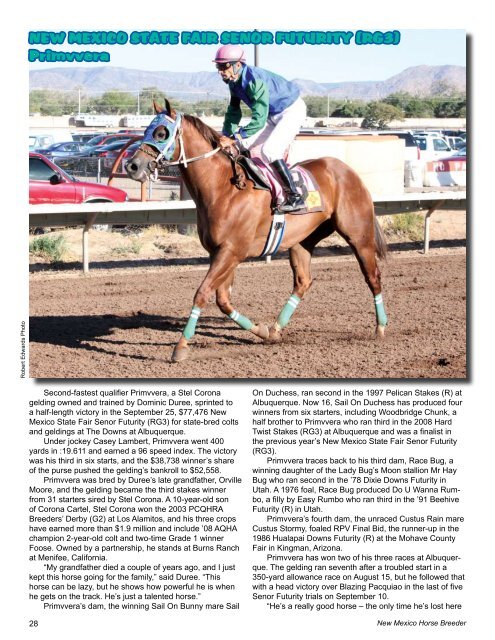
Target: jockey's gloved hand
<point x="229" y="145"/>
<point x="226" y="142"/>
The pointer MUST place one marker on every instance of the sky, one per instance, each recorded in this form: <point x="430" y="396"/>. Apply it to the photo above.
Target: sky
<point x="320" y="63"/>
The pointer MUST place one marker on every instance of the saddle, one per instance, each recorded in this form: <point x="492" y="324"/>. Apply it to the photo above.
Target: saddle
<point x="262" y="177"/>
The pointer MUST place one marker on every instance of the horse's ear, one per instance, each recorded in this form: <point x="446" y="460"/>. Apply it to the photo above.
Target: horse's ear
<point x="169" y="109"/>
<point x="157" y="107"/>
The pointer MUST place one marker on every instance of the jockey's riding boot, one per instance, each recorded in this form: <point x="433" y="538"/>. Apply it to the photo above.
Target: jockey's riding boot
<point x="293" y="199"/>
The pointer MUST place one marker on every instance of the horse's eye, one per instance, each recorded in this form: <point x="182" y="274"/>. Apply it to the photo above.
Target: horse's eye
<point x="160" y="134"/>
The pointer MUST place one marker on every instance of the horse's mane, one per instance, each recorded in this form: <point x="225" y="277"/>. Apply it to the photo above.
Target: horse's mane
<point x="209" y="134"/>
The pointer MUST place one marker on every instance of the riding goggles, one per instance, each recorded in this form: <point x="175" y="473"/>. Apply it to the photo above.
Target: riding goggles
<point x="223" y="66"/>
<point x="165" y="147"/>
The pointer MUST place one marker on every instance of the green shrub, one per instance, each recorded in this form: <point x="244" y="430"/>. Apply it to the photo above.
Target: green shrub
<point x="49" y="247"/>
<point x="134" y="247"/>
<point x="409" y="226"/>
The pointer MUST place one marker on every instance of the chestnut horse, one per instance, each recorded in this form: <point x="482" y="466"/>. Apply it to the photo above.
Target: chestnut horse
<point x="233" y="223"/>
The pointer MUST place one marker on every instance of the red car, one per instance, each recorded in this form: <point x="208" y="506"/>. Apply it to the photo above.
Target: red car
<point x="48" y="184"/>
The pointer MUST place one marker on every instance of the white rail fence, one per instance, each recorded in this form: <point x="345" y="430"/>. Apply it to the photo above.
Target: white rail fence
<point x="184" y="212"/>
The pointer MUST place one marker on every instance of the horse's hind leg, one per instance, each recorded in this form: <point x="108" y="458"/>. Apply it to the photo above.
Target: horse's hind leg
<point x="365" y="253"/>
<point x="300" y="262"/>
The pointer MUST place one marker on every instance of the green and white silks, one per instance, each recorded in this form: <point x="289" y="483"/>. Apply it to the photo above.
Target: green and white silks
<point x="381" y="316"/>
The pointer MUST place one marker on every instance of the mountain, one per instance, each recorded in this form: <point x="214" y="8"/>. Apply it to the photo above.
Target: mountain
<point x="421" y="80"/>
<point x="192" y="86"/>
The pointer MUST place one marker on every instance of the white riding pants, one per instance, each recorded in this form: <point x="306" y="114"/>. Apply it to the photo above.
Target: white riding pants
<point x="273" y="141"/>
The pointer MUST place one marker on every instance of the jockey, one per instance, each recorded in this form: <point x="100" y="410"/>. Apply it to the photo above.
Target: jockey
<point x="277" y="113"/>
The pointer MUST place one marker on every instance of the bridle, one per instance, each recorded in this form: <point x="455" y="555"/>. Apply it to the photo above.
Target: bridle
<point x="159" y="160"/>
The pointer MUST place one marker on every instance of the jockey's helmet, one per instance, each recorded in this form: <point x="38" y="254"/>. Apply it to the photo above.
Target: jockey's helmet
<point x="230" y="53"/>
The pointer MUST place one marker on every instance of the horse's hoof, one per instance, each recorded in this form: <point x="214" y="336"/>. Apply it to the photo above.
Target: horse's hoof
<point x="180" y="354"/>
<point x="274" y="335"/>
<point x="380" y="332"/>
<point x="261" y="330"/>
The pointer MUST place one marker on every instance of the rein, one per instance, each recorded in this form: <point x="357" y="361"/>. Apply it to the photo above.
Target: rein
<point x="182" y="155"/>
<point x="238" y="179"/>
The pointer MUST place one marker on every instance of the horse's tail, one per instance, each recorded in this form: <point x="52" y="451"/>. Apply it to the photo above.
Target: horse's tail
<point x="380" y="242"/>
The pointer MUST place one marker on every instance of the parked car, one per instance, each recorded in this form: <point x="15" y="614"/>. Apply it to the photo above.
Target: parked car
<point x="454" y="132"/>
<point x="459" y="156"/>
<point x="37" y="141"/>
<point x="455" y="142"/>
<point x="84" y="137"/>
<point x="42" y="138"/>
<point x="312" y="131"/>
<point x="132" y="132"/>
<point x="101" y="150"/>
<point x="431" y="132"/>
<point x="61" y="149"/>
<point x="106" y="138"/>
<point x="111" y="156"/>
<point x="411" y="147"/>
<point x="432" y="148"/>
<point x="49" y="184"/>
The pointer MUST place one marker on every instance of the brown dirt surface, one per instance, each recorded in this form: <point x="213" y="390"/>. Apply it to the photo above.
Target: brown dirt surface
<point x="124" y="323"/>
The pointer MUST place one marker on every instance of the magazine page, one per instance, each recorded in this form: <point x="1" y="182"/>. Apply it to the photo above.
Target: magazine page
<point x="247" y="370"/>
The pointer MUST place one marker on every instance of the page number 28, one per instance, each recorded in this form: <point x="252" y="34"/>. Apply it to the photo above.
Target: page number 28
<point x="33" y="623"/>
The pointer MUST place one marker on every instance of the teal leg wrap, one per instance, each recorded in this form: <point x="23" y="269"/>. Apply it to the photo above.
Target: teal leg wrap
<point x="241" y="320"/>
<point x="190" y="328"/>
<point x="381" y="316"/>
<point x="287" y="311"/>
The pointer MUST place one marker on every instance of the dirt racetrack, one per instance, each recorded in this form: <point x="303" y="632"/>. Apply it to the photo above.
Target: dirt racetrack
<point x="124" y="323"/>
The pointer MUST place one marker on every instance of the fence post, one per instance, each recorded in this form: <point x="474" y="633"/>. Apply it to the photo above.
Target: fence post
<point x="426" y="241"/>
<point x="85" y="241"/>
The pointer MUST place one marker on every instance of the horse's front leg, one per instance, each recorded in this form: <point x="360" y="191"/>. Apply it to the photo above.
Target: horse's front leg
<point x="225" y="305"/>
<point x="219" y="278"/>
<point x="300" y="262"/>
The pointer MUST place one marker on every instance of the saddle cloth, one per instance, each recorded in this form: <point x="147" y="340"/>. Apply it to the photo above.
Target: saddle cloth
<point x="264" y="178"/>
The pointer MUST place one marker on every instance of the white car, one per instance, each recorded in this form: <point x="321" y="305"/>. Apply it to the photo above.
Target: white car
<point x="435" y="134"/>
<point x="432" y="148"/>
<point x="455" y="142"/>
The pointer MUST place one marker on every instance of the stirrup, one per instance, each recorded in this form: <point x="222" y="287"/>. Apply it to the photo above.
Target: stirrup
<point x="292" y="204"/>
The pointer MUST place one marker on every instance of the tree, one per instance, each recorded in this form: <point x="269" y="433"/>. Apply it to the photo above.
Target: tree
<point x="317" y="106"/>
<point x="448" y="101"/>
<point x="412" y="106"/>
<point x="350" y="109"/>
<point x="450" y="108"/>
<point x="418" y="108"/>
<point x="377" y="115"/>
<point x="146" y="97"/>
<point x="115" y="101"/>
<point x="209" y="107"/>
<point x="52" y="103"/>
